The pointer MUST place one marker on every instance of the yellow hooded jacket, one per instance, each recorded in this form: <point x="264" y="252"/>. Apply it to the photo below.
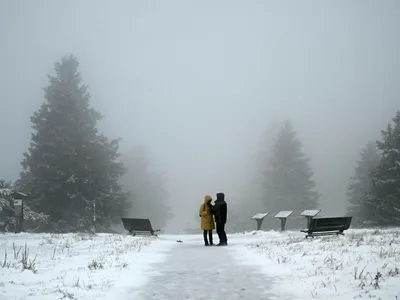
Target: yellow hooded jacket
<point x="207" y="218"/>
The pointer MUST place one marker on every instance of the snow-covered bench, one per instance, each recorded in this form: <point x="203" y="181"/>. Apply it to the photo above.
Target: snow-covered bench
<point x="327" y="226"/>
<point x="139" y="226"/>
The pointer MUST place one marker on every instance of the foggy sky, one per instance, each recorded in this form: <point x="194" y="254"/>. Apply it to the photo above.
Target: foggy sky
<point x="198" y="83"/>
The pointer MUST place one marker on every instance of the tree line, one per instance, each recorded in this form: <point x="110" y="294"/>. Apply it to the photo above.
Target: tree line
<point x="284" y="180"/>
<point x="75" y="176"/>
<point x="374" y="192"/>
<point x="72" y="172"/>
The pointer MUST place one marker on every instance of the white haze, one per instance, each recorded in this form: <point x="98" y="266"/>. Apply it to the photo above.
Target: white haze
<point x="198" y="83"/>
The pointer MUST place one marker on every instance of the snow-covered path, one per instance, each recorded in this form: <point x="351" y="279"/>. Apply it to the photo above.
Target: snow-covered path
<point x="192" y="271"/>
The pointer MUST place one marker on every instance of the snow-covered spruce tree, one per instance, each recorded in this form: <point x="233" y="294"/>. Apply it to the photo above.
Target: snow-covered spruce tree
<point x="383" y="201"/>
<point x="288" y="181"/>
<point x="7" y="220"/>
<point x="361" y="184"/>
<point x="146" y="188"/>
<point x="69" y="164"/>
<point x="6" y="205"/>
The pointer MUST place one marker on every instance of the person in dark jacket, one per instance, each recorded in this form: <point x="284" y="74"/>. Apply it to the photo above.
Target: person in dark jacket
<point x="220" y="211"/>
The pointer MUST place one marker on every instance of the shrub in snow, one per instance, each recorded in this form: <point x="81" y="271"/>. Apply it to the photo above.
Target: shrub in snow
<point x="20" y="258"/>
<point x="7" y="214"/>
<point x="94" y="265"/>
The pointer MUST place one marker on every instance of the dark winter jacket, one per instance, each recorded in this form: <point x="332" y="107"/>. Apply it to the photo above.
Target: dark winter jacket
<point x="220" y="209"/>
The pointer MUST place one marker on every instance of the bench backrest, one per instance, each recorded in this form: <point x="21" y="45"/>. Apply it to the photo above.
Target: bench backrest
<point x="331" y="223"/>
<point x="133" y="224"/>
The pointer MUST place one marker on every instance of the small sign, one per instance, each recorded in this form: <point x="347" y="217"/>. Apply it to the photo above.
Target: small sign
<point x="283" y="214"/>
<point x="17" y="202"/>
<point x="18" y="207"/>
<point x="310" y="212"/>
<point x="260" y="216"/>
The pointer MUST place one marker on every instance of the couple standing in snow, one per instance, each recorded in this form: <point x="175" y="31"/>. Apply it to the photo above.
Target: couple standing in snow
<point x="207" y="213"/>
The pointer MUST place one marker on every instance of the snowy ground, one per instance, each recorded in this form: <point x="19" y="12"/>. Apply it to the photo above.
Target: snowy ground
<point x="363" y="264"/>
<point x="257" y="265"/>
<point x="72" y="266"/>
<point x="193" y="271"/>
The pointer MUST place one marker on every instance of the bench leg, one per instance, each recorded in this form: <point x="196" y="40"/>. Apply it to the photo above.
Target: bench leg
<point x="309" y="234"/>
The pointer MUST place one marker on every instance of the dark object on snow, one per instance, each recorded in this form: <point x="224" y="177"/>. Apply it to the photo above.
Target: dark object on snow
<point x="179" y="241"/>
<point x="220" y="210"/>
<point x="139" y="226"/>
<point x="327" y="226"/>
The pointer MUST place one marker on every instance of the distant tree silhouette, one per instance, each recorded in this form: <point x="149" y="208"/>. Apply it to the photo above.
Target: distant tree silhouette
<point x="69" y="165"/>
<point x="383" y="201"/>
<point x="361" y="184"/>
<point x="148" y="196"/>
<point x="288" y="181"/>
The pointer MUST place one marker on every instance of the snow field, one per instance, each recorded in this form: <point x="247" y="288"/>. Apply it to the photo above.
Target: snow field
<point x="363" y="264"/>
<point x="71" y="266"/>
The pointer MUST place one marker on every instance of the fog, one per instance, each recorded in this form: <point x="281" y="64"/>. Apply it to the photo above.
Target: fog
<point x="199" y="83"/>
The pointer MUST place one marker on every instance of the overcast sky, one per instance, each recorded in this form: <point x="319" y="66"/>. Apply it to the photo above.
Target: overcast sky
<point x="198" y="82"/>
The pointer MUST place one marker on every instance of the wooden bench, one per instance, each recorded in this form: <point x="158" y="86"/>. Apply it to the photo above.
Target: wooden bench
<point x="139" y="226"/>
<point x="327" y="226"/>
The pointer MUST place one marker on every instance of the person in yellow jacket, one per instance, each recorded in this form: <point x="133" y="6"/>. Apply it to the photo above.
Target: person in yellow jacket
<point x="207" y="220"/>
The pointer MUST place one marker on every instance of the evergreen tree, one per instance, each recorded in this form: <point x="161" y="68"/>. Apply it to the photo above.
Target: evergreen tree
<point x="6" y="205"/>
<point x="361" y="184"/>
<point x="383" y="202"/>
<point x="288" y="181"/>
<point x="70" y="169"/>
<point x="146" y="188"/>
